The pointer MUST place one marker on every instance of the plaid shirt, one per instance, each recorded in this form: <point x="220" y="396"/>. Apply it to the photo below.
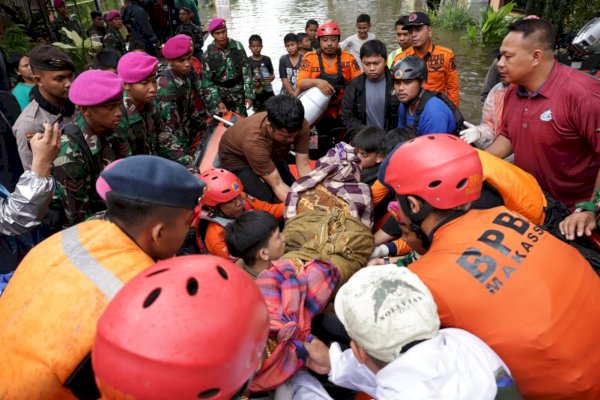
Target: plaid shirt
<point x="293" y="296"/>
<point x="339" y="172"/>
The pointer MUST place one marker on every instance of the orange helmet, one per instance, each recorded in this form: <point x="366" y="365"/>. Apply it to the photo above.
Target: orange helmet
<point x="329" y="29"/>
<point x="187" y="327"/>
<point x="222" y="186"/>
<point x="441" y="169"/>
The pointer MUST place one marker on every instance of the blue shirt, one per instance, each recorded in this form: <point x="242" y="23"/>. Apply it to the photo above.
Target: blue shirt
<point x="435" y="118"/>
<point x="21" y="92"/>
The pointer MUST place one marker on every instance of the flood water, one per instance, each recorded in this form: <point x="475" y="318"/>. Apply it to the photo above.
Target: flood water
<point x="272" y="19"/>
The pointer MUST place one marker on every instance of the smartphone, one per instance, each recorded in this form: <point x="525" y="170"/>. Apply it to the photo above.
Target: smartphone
<point x="60" y="121"/>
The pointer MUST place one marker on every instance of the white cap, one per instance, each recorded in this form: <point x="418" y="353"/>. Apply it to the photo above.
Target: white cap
<point x="384" y="308"/>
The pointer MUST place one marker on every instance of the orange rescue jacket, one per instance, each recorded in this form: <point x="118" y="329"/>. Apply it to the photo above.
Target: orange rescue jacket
<point x="51" y="306"/>
<point x="310" y="68"/>
<point x="531" y="297"/>
<point x="442" y="73"/>
<point x="215" y="233"/>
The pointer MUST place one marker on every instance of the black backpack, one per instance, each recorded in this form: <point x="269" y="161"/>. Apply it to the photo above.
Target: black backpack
<point x="458" y="117"/>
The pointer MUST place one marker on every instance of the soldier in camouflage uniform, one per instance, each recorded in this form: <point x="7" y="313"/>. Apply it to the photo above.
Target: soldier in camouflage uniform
<point x="113" y="38"/>
<point x="84" y="148"/>
<point x="180" y="121"/>
<point x="187" y="27"/>
<point x="62" y="20"/>
<point x="227" y="77"/>
<point x="139" y="123"/>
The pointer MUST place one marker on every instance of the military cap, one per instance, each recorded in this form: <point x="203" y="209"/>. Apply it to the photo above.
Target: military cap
<point x="95" y="87"/>
<point x="151" y="179"/>
<point x="49" y="58"/>
<point x="177" y="46"/>
<point x="215" y="24"/>
<point x="137" y="66"/>
<point x="112" y="14"/>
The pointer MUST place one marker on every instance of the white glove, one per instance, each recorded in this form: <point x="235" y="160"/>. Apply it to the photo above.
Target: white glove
<point x="380" y="251"/>
<point x="472" y="134"/>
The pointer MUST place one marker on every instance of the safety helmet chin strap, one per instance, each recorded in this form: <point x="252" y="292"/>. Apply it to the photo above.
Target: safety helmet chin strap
<point x="416" y="219"/>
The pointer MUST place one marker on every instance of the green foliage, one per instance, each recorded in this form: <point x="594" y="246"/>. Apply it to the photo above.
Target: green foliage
<point x="453" y="16"/>
<point x="493" y="24"/>
<point x="15" y="40"/>
<point x="471" y="34"/>
<point x="565" y="15"/>
<point x="80" y="50"/>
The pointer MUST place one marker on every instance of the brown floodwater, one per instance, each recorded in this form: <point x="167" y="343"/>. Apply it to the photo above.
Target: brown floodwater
<point x="272" y="19"/>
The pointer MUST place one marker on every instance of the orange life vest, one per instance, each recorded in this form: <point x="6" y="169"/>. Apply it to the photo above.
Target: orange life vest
<point x="51" y="306"/>
<point x="532" y="298"/>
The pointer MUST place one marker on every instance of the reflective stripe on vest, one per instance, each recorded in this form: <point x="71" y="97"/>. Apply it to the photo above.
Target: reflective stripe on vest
<point x="100" y="276"/>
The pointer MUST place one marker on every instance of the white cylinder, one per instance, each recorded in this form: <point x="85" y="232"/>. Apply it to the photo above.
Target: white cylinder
<point x="315" y="103"/>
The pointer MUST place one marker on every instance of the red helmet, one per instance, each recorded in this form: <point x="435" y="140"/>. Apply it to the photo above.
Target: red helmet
<point x="187" y="327"/>
<point x="329" y="29"/>
<point x="441" y="169"/>
<point x="221" y="186"/>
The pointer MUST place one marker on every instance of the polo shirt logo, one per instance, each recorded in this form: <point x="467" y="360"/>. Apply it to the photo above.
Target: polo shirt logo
<point x="546" y="115"/>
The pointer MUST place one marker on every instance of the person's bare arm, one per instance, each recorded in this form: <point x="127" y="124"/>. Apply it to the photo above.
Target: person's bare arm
<point x="288" y="86"/>
<point x="580" y="223"/>
<point x="501" y="148"/>
<point x="277" y="185"/>
<point x="303" y="164"/>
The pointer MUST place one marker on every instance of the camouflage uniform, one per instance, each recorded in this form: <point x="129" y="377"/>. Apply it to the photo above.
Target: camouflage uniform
<point x="137" y="130"/>
<point x="227" y="77"/>
<point x="76" y="174"/>
<point x="193" y="31"/>
<point x="179" y="120"/>
<point x="114" y="40"/>
<point x="68" y="23"/>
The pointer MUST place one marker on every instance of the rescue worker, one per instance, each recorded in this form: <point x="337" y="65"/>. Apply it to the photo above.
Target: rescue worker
<point x="84" y="148"/>
<point x="420" y="108"/>
<point x="225" y="200"/>
<point x="331" y="70"/>
<point x="97" y="29"/>
<point x="62" y="20"/>
<point x="113" y="38"/>
<point x="180" y="121"/>
<point x="191" y="29"/>
<point x="138" y="21"/>
<point x="64" y="284"/>
<point x="227" y="77"/>
<point x="210" y="348"/>
<point x="441" y="65"/>
<point x="139" y="123"/>
<point x="255" y="148"/>
<point x="492" y="272"/>
<point x="52" y="73"/>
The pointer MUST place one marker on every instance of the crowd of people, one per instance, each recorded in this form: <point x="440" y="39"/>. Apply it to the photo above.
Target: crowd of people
<point x="406" y="253"/>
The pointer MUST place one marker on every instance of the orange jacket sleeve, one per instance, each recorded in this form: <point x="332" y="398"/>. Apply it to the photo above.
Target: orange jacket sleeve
<point x="274" y="209"/>
<point x="215" y="241"/>
<point x="309" y="63"/>
<point x="452" y="85"/>
<point x="379" y="192"/>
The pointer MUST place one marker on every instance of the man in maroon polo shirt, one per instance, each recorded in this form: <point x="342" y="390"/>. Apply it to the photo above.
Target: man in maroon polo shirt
<point x="551" y="120"/>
